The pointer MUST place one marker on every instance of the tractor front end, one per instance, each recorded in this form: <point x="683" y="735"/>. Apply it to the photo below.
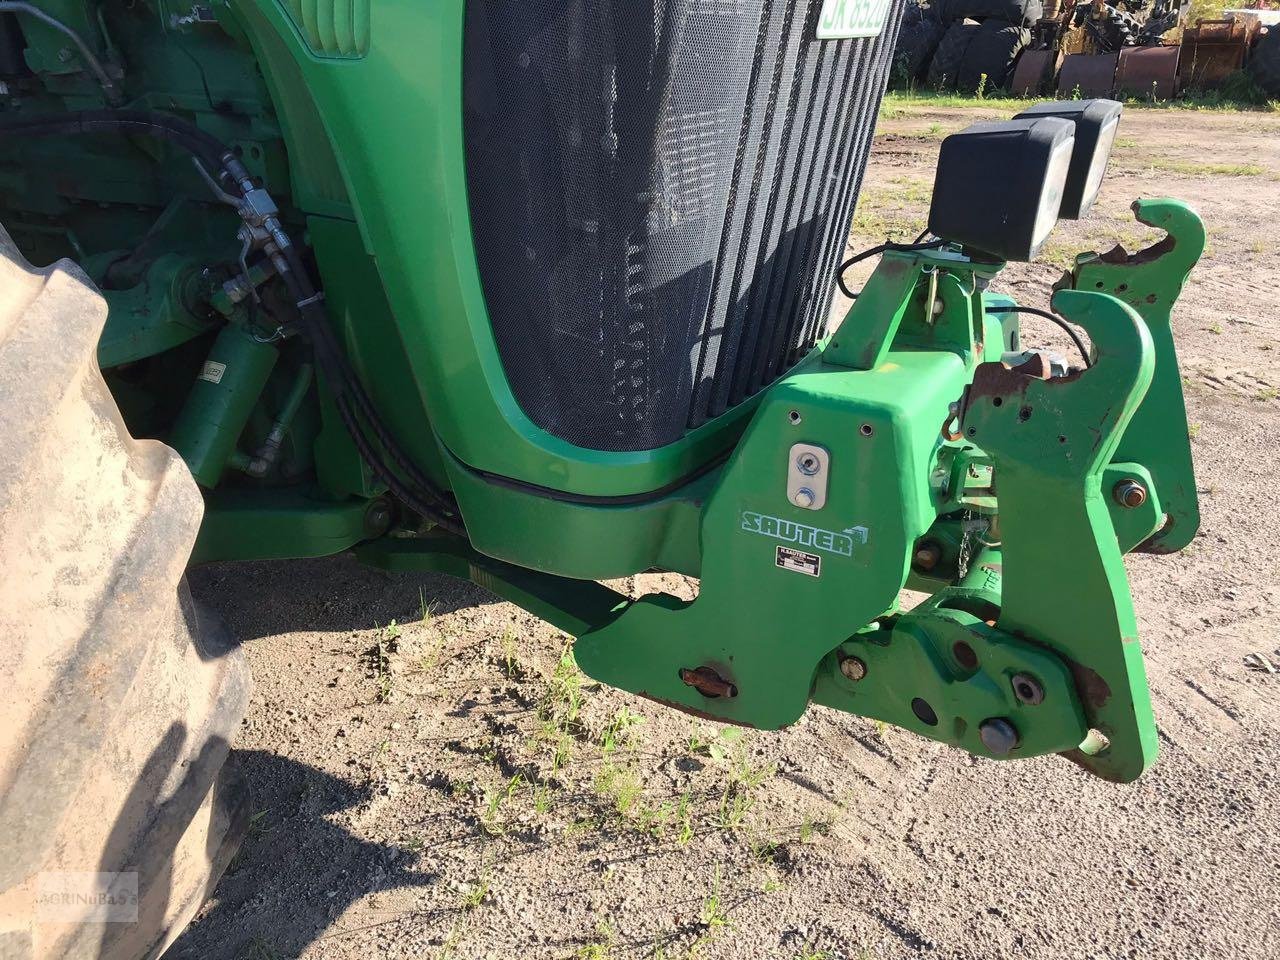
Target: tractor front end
<point x="537" y="294"/>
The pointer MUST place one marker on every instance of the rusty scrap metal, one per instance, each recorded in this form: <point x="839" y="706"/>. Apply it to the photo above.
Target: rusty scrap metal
<point x="1148" y="72"/>
<point x="1215" y="49"/>
<point x="1087" y="75"/>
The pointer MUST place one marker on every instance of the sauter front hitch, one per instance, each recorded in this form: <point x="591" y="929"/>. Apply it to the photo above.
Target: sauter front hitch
<point x="843" y="490"/>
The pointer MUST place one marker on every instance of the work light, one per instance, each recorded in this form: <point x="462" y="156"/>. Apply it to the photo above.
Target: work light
<point x="999" y="186"/>
<point x="1096" y="124"/>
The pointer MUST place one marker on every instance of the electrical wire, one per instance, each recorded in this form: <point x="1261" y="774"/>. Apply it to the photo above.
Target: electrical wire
<point x="876" y="251"/>
<point x="1052" y="318"/>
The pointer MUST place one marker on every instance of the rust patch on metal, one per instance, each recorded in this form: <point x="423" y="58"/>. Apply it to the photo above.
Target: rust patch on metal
<point x="1094" y="691"/>
<point x="1117" y="255"/>
<point x="708" y="683"/>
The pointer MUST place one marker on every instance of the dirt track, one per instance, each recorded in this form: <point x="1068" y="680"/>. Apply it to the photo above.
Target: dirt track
<point x="423" y="790"/>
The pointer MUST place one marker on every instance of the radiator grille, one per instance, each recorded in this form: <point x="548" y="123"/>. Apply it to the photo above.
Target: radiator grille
<point x="659" y="192"/>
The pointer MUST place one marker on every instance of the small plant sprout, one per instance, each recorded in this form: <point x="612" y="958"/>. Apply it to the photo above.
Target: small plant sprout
<point x="714" y="915"/>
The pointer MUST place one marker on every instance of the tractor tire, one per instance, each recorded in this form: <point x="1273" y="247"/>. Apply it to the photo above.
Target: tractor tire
<point x="945" y="66"/>
<point x="918" y="39"/>
<point x="1264" y="62"/>
<point x="992" y="53"/>
<point x="120" y="695"/>
<point x="1022" y="12"/>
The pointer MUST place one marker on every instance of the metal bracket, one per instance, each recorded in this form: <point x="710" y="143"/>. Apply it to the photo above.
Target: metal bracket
<point x="808" y="471"/>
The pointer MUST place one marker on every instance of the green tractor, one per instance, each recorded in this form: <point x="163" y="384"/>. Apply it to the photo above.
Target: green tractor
<point x="536" y="293"/>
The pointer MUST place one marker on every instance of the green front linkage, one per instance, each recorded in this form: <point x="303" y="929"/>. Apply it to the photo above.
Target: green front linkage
<point x="1006" y="492"/>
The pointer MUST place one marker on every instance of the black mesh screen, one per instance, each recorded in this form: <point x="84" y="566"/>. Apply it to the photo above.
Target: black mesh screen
<point x="660" y="191"/>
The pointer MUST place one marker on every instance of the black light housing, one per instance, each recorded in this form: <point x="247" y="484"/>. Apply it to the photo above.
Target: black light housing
<point x="998" y="187"/>
<point x="1096" y="124"/>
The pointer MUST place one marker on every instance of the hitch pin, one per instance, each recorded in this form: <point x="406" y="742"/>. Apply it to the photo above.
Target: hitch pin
<point x="933" y="307"/>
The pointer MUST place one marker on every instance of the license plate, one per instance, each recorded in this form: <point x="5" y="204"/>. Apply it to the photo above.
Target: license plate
<point x="842" y="19"/>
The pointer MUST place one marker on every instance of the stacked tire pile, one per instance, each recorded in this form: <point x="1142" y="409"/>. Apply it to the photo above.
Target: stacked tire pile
<point x="1264" y="62"/>
<point x="969" y="46"/>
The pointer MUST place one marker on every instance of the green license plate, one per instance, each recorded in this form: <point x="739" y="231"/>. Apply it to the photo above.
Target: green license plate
<point x="842" y="19"/>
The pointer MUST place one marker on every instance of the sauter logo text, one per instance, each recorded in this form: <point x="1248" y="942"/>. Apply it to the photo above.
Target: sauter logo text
<point x="829" y="541"/>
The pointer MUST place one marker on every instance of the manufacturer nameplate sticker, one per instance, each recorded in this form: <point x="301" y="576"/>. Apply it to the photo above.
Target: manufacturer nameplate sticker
<point x="810" y="564"/>
<point x="841" y="543"/>
<point x="845" y="19"/>
<point x="213" y="371"/>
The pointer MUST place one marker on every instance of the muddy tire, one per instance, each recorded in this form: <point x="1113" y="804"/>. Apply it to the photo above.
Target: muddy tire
<point x="918" y="39"/>
<point x="120" y="695"/>
<point x="945" y="66"/>
<point x="1264" y="62"/>
<point x="992" y="53"/>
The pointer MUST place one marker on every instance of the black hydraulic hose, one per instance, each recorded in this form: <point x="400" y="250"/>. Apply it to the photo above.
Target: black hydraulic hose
<point x="185" y="134"/>
<point x="347" y="387"/>
<point x="876" y="251"/>
<point x="317" y="325"/>
<point x="1052" y="318"/>
<point x="333" y="362"/>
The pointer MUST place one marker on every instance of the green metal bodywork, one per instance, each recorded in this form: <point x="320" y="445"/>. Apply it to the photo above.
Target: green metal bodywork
<point x="942" y="444"/>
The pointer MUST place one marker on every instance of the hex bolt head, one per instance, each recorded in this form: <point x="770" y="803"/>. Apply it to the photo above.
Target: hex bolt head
<point x="1130" y="493"/>
<point x="853" y="668"/>
<point x="804" y="497"/>
<point x="998" y="735"/>
<point x="1028" y="689"/>
<point x="808" y="464"/>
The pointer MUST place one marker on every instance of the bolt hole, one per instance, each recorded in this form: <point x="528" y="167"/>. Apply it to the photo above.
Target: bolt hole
<point x="1024" y="414"/>
<point x="924" y="713"/>
<point x="867" y="430"/>
<point x="1026" y="691"/>
<point x="1122" y="288"/>
<point x="794" y="417"/>
<point x="1062" y="439"/>
<point x="997" y="401"/>
<point x="964" y="655"/>
<point x="1100" y="284"/>
<point x="972" y="431"/>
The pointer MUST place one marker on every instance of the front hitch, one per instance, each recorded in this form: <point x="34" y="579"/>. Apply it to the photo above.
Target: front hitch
<point x="1015" y="517"/>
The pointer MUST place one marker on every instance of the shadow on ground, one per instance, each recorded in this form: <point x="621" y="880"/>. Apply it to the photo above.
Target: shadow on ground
<point x="332" y="594"/>
<point x="294" y="873"/>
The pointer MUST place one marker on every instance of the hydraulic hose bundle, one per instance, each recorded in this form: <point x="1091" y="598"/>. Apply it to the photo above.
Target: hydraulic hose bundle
<point x="368" y="432"/>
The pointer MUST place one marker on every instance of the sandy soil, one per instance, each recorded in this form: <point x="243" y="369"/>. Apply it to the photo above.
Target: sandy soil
<point x="447" y="787"/>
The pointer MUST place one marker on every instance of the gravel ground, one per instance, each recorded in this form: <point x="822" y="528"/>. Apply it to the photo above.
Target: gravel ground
<point x="435" y="779"/>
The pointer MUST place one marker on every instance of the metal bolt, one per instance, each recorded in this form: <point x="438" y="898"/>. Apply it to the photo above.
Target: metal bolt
<point x="805" y="498"/>
<point x="853" y="668"/>
<point x="1130" y="493"/>
<point x="808" y="464"/>
<point x="927" y="555"/>
<point x="1028" y="689"/>
<point x="998" y="735"/>
<point x="378" y="517"/>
